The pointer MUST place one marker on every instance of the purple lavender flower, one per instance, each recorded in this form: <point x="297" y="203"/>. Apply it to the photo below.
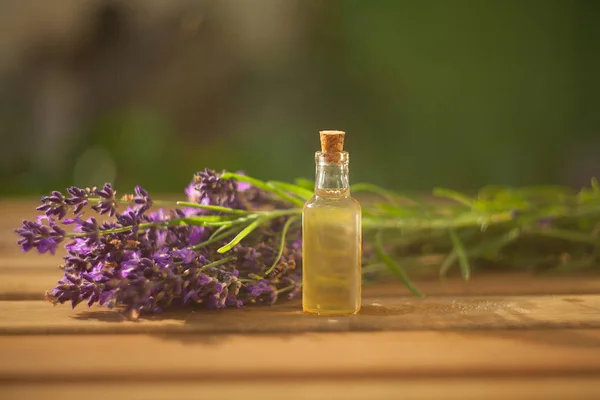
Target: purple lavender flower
<point x="142" y="200"/>
<point x="192" y="193"/>
<point x="68" y="289"/>
<point x="78" y="199"/>
<point x="214" y="287"/>
<point x="142" y="264"/>
<point x="159" y="215"/>
<point x="261" y="292"/>
<point x="242" y="186"/>
<point x="291" y="285"/>
<point x="211" y="189"/>
<point x="183" y="256"/>
<point x="54" y="205"/>
<point x="249" y="259"/>
<point x="44" y="238"/>
<point x="108" y="202"/>
<point x="91" y="230"/>
<point x="295" y="250"/>
<point x="129" y="218"/>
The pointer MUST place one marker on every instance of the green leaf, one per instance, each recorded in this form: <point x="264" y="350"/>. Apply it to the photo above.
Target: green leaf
<point x="367" y="187"/>
<point x="245" y="232"/>
<point x="204" y="220"/>
<point x="393" y="267"/>
<point x="227" y="224"/>
<point x="491" y="191"/>
<point x="453" y="195"/>
<point x="486" y="247"/>
<point x="263" y="185"/>
<point x="212" y="208"/>
<point x="305" y="183"/>
<point x="218" y="231"/>
<point x="233" y="222"/>
<point x="572" y="236"/>
<point x="299" y="191"/>
<point x="494" y="246"/>
<point x="287" y="225"/>
<point x="463" y="259"/>
<point x="397" y="211"/>
<point x="448" y="262"/>
<point x="216" y="238"/>
<point x="216" y="263"/>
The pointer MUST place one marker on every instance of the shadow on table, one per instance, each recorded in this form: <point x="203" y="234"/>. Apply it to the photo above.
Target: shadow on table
<point x="512" y="318"/>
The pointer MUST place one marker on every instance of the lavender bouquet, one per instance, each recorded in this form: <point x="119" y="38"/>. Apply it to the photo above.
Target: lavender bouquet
<point x="185" y="252"/>
<point x="237" y="240"/>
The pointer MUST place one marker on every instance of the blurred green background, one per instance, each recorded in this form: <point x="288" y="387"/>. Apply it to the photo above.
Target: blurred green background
<point x="459" y="93"/>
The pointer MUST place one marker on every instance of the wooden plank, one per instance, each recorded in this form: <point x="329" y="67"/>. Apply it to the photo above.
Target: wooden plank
<point x="581" y="388"/>
<point x="378" y="314"/>
<point x="317" y="356"/>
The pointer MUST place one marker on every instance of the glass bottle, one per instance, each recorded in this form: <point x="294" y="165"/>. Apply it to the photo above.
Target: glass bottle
<point x="331" y="226"/>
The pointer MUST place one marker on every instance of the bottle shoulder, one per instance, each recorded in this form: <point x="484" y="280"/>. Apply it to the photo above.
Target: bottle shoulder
<point x="341" y="202"/>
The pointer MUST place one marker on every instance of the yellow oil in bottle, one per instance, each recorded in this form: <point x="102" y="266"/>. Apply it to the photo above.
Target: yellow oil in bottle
<point x="332" y="273"/>
<point x="331" y="223"/>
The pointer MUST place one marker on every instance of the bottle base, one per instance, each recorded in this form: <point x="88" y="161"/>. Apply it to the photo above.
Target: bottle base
<point x="330" y="313"/>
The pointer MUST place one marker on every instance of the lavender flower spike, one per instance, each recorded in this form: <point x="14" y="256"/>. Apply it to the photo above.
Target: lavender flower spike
<point x="214" y="190"/>
<point x="142" y="200"/>
<point x="108" y="202"/>
<point x="44" y="238"/>
<point x="54" y="205"/>
<point x="78" y="198"/>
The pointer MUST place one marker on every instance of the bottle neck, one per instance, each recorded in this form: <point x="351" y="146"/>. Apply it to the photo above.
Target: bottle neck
<point x="332" y="174"/>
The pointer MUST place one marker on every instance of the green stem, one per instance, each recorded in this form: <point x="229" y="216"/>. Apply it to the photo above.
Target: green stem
<point x="216" y="263"/>
<point x="212" y="208"/>
<point x="463" y="259"/>
<point x="215" y="238"/>
<point x="218" y="231"/>
<point x="285" y="289"/>
<point x="245" y="232"/>
<point x="453" y="195"/>
<point x="464" y="220"/>
<point x="392" y="266"/>
<point x="264" y="186"/>
<point x="117" y="230"/>
<point x="123" y="201"/>
<point x="367" y="187"/>
<point x="289" y="222"/>
<point x="265" y="217"/>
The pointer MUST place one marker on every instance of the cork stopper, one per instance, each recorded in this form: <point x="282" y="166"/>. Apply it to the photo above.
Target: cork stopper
<point x="332" y="145"/>
<point x="332" y="141"/>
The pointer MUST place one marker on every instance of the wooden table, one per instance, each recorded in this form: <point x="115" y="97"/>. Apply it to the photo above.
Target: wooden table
<point x="496" y="337"/>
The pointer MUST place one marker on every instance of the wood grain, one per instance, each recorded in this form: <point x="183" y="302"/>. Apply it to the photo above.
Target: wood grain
<point x="458" y="389"/>
<point x="314" y="356"/>
<point x="554" y="388"/>
<point x="378" y="314"/>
